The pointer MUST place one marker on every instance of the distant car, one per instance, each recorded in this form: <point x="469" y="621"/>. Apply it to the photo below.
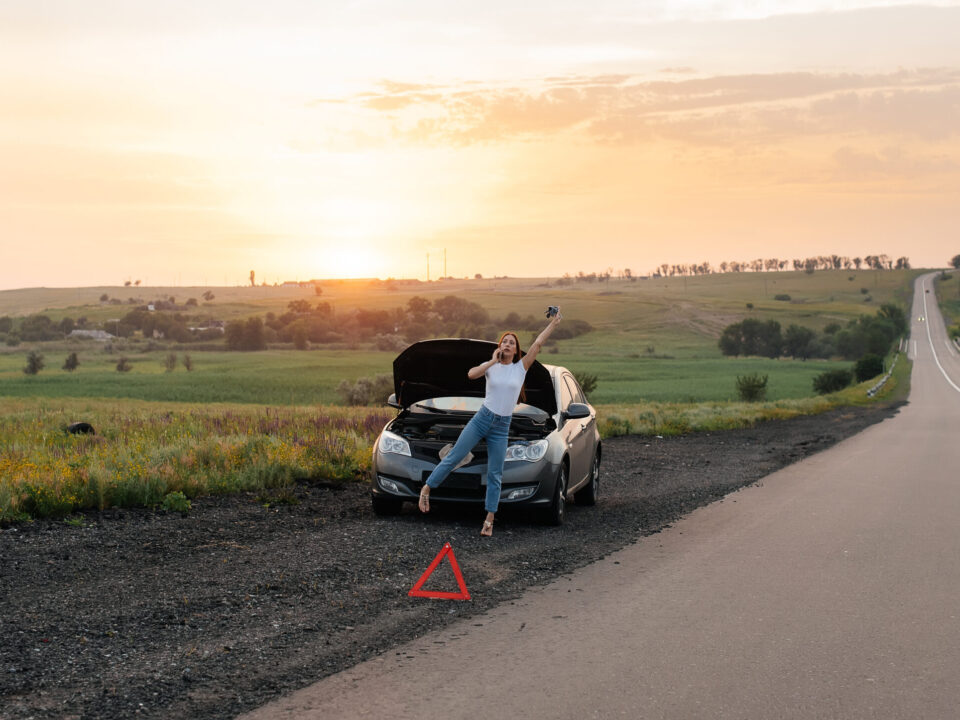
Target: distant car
<point x="553" y="450"/>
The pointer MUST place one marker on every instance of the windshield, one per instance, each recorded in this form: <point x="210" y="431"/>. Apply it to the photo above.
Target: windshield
<point x="470" y="405"/>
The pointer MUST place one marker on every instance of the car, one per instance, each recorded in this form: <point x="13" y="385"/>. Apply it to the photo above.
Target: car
<point x="553" y="451"/>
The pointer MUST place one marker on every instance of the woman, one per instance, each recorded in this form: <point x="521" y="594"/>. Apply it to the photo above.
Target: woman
<point x="504" y="372"/>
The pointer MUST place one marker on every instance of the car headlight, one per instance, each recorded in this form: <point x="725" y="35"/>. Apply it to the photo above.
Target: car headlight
<point x="531" y="452"/>
<point x="393" y="443"/>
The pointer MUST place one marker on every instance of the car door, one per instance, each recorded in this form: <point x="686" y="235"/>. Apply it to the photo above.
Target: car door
<point x="580" y="434"/>
<point x="589" y="432"/>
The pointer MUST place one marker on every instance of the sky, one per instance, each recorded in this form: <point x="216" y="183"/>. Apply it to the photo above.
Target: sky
<point x="190" y="142"/>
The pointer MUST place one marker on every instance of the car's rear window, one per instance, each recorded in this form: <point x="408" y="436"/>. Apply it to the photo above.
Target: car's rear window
<point x="472" y="404"/>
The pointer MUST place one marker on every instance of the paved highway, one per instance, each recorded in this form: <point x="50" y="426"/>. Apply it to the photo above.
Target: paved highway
<point x="829" y="590"/>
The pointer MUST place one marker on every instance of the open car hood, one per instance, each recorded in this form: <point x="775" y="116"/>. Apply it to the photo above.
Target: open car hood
<point x="438" y="368"/>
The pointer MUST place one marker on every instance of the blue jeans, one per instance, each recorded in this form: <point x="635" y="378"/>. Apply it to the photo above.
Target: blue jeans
<point x="485" y="424"/>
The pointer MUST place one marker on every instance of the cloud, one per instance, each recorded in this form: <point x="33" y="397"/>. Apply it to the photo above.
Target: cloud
<point x="719" y="110"/>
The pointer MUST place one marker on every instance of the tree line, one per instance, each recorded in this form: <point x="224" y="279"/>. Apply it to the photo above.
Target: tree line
<point x="864" y="335"/>
<point x="393" y="329"/>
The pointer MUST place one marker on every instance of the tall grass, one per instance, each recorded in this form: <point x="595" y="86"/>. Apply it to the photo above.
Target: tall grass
<point x="142" y="452"/>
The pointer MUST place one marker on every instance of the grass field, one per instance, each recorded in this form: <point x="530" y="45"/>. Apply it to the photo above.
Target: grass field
<point x="654" y="340"/>
<point x="144" y="451"/>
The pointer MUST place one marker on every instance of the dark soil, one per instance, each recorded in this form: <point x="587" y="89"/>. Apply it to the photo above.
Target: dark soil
<point x="158" y="615"/>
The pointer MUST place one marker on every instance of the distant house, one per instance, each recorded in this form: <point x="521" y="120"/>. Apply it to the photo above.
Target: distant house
<point x="100" y="335"/>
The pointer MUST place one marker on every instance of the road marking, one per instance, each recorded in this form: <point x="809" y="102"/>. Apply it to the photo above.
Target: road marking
<point x="934" y="350"/>
<point x="914" y="349"/>
<point x="949" y="345"/>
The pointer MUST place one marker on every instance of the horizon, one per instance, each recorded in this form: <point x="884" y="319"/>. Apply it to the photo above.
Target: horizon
<point x="184" y="146"/>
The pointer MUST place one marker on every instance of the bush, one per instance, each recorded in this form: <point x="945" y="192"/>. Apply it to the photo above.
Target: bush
<point x="123" y="365"/>
<point x="588" y="381"/>
<point x="832" y="381"/>
<point x="753" y="387"/>
<point x="176" y="502"/>
<point x="34" y="362"/>
<point x="869" y="366"/>
<point x="71" y="363"/>
<point x="187" y="362"/>
<point x="366" y="391"/>
<point x="170" y="362"/>
<point x="782" y="296"/>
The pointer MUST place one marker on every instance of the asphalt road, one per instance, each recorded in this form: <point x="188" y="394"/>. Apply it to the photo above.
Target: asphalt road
<point x="829" y="590"/>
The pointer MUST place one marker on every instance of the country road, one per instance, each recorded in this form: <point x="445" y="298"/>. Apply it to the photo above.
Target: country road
<point x="829" y="590"/>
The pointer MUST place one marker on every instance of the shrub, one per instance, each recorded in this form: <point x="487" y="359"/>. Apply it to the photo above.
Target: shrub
<point x="71" y="363"/>
<point x="753" y="387"/>
<point x="123" y="365"/>
<point x="588" y="381"/>
<point x="782" y="296"/>
<point x="34" y="362"/>
<point x="176" y="502"/>
<point x="170" y="362"/>
<point x="366" y="391"/>
<point x="832" y="381"/>
<point x="869" y="366"/>
<point x="187" y="362"/>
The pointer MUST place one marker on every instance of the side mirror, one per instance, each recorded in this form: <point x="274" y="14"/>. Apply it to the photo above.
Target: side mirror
<point x="576" y="411"/>
<point x="392" y="401"/>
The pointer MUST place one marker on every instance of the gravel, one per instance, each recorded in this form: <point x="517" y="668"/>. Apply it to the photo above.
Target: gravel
<point x="138" y="613"/>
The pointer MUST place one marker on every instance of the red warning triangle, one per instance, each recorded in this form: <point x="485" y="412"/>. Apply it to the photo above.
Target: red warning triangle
<point x="415" y="591"/>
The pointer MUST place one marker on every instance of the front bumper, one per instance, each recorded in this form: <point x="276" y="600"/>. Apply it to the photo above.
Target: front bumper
<point x="401" y="477"/>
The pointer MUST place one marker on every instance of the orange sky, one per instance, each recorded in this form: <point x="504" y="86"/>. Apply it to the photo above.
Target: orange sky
<point x="178" y="143"/>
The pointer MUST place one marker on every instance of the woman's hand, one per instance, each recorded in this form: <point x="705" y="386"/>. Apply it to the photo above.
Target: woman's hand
<point x="496" y="355"/>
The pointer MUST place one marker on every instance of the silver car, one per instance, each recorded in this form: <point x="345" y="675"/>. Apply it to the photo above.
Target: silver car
<point x="553" y="451"/>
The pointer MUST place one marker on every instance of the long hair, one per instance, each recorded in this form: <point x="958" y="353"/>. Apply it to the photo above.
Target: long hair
<point x="516" y="359"/>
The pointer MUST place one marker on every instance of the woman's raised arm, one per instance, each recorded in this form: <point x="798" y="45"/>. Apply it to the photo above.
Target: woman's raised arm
<point x="531" y="355"/>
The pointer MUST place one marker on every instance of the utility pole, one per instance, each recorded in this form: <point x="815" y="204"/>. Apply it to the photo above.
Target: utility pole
<point x="428" y="267"/>
<point x="445" y="262"/>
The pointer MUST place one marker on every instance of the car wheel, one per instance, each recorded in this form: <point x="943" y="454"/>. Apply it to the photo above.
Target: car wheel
<point x="386" y="506"/>
<point x="555" y="513"/>
<point x="587" y="495"/>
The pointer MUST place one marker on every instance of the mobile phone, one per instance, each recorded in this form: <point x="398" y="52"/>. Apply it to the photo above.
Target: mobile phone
<point x="552" y="310"/>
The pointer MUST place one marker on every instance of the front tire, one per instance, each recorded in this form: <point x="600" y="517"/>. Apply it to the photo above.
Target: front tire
<point x="556" y="512"/>
<point x="386" y="506"/>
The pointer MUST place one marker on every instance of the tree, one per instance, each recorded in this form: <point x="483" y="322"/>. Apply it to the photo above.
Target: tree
<point x="34" y="362"/>
<point x="71" y="363"/>
<point x="797" y="341"/>
<point x="170" y="362"/>
<point x="187" y="362"/>
<point x="208" y="296"/>
<point x="252" y="280"/>
<point x="104" y="298"/>
<point x="955" y="261"/>
<point x="123" y="365"/>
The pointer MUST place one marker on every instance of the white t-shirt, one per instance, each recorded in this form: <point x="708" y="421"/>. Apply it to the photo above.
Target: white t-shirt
<point x="503" y="387"/>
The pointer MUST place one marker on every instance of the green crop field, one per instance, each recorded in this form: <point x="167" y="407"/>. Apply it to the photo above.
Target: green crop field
<point x="654" y="339"/>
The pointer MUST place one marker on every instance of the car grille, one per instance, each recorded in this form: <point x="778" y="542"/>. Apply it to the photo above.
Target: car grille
<point x="431" y="452"/>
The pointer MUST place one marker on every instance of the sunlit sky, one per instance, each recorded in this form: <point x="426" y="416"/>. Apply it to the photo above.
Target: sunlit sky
<point x="189" y="142"/>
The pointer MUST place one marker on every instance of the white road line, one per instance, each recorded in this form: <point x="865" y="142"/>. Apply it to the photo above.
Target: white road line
<point x="933" y="349"/>
<point x="914" y="349"/>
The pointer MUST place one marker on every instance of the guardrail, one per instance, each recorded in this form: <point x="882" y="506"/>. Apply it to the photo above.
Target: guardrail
<point x="876" y="388"/>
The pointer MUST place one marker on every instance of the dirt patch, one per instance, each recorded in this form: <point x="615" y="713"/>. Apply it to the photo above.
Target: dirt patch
<point x="158" y="615"/>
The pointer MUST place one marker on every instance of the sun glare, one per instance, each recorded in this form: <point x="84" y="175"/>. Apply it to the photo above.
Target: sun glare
<point x="348" y="260"/>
